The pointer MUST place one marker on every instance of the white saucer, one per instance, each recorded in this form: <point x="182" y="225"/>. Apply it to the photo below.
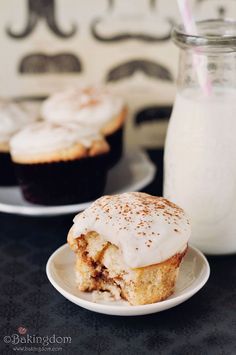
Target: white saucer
<point x="134" y="172"/>
<point x="193" y="275"/>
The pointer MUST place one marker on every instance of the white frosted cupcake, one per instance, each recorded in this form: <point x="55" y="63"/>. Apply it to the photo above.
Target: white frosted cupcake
<point x="13" y="117"/>
<point x="93" y="107"/>
<point x="130" y="245"/>
<point x="60" y="163"/>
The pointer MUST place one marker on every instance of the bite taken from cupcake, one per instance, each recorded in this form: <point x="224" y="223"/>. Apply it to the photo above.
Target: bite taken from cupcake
<point x="130" y="246"/>
<point x="92" y="107"/>
<point x="58" y="164"/>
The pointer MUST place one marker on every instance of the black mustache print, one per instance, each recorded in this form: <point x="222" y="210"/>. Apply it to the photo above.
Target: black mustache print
<point x="29" y="98"/>
<point x="148" y="67"/>
<point x="38" y="63"/>
<point x="128" y="36"/>
<point x="155" y="113"/>
<point x="41" y="9"/>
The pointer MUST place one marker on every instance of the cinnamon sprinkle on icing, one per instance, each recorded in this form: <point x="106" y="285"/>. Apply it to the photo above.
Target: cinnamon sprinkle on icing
<point x="144" y="227"/>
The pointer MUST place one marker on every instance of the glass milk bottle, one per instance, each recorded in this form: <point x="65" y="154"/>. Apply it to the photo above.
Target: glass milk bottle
<point x="200" y="149"/>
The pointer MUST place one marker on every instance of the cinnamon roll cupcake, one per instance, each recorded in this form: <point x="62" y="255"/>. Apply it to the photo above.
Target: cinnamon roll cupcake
<point x="13" y="117"/>
<point x="59" y="164"/>
<point x="130" y="245"/>
<point x="93" y="107"/>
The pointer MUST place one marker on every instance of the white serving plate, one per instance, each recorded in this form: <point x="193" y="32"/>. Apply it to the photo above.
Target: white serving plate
<point x="132" y="173"/>
<point x="194" y="273"/>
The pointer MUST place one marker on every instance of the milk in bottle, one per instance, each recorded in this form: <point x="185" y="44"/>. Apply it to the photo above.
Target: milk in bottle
<point x="200" y="166"/>
<point x="200" y="155"/>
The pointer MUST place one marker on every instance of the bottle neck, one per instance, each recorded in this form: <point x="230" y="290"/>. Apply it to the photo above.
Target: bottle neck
<point x="220" y="69"/>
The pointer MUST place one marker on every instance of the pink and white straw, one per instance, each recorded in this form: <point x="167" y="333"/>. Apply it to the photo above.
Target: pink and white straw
<point x="198" y="61"/>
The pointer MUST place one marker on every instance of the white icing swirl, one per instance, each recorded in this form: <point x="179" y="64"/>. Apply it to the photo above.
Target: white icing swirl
<point x="147" y="229"/>
<point x="14" y="116"/>
<point x="46" y="137"/>
<point x="91" y="106"/>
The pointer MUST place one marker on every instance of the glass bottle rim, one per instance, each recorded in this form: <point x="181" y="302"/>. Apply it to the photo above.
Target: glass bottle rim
<point x="213" y="35"/>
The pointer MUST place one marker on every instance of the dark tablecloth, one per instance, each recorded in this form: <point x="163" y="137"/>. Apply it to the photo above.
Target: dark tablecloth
<point x="206" y="324"/>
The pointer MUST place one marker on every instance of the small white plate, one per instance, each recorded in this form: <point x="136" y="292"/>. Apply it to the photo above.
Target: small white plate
<point x="193" y="275"/>
<point x="132" y="173"/>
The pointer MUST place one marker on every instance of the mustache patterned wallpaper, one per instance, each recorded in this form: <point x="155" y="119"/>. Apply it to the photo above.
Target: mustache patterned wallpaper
<point x="50" y="44"/>
<point x="38" y="63"/>
<point x="37" y="10"/>
<point x="147" y="67"/>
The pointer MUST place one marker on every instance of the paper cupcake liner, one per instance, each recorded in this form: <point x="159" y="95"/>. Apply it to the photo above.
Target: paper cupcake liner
<point x="61" y="183"/>
<point x="115" y="140"/>
<point x="7" y="173"/>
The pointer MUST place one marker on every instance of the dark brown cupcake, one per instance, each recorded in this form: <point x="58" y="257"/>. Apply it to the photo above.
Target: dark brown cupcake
<point x="60" y="164"/>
